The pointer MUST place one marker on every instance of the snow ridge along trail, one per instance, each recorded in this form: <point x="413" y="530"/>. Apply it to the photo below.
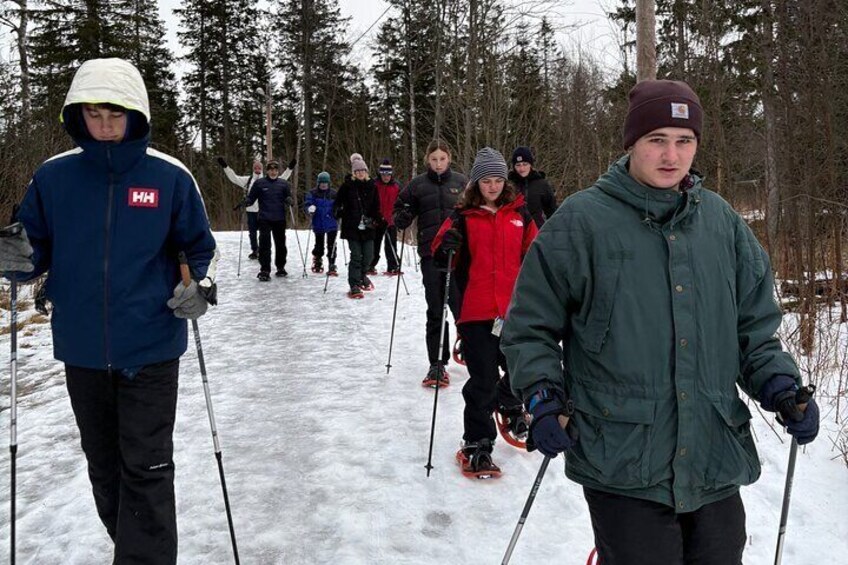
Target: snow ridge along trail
<point x="324" y="454"/>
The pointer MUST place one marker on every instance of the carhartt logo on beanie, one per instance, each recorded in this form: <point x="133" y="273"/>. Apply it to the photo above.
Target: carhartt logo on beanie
<point x="522" y="155"/>
<point x="488" y="163"/>
<point x="658" y="104"/>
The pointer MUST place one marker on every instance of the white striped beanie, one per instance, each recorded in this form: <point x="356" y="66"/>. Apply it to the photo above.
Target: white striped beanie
<point x="488" y="163"/>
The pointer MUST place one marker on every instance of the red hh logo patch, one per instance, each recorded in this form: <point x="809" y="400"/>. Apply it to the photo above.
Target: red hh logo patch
<point x="144" y="197"/>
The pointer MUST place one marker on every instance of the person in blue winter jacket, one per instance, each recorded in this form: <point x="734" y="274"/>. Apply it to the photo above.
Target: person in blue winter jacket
<point x="274" y="195"/>
<point x="107" y="221"/>
<point x="319" y="205"/>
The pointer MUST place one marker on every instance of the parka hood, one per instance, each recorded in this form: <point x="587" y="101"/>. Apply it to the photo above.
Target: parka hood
<point x="657" y="206"/>
<point x="107" y="81"/>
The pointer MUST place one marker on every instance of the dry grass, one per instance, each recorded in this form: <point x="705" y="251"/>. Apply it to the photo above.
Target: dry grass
<point x="31" y="321"/>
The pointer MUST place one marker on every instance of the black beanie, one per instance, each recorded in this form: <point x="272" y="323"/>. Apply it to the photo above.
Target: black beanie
<point x="522" y="155"/>
<point x="658" y="104"/>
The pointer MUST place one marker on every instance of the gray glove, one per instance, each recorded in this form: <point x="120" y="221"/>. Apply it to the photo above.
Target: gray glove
<point x="15" y="251"/>
<point x="189" y="302"/>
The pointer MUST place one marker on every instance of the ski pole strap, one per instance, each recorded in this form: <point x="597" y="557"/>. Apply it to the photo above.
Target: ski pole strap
<point x="185" y="273"/>
<point x="12" y="230"/>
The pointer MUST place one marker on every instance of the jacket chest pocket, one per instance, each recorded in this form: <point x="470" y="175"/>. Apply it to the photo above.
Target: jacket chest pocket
<point x="600" y="312"/>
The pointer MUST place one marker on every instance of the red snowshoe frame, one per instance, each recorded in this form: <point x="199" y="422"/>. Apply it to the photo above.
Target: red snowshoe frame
<point x="507" y="436"/>
<point x="462" y="461"/>
<point x="443" y="382"/>
<point x="593" y="558"/>
<point x="457" y="352"/>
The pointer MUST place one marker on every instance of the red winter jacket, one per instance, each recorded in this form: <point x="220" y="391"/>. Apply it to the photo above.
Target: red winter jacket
<point x="494" y="244"/>
<point x="388" y="194"/>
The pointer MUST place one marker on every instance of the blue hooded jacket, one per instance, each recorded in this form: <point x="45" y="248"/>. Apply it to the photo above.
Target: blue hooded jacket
<point x="107" y="220"/>
<point x="323" y="220"/>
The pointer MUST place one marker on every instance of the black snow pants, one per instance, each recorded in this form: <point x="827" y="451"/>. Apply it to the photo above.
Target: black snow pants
<point x="126" y="428"/>
<point x="266" y="230"/>
<point x="434" y="293"/>
<point x="633" y="531"/>
<point x="485" y="388"/>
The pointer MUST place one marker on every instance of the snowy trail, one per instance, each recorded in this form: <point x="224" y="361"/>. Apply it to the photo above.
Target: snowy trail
<point x="324" y="454"/>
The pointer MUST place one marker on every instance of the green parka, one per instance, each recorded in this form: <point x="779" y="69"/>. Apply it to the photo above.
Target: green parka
<point x="647" y="307"/>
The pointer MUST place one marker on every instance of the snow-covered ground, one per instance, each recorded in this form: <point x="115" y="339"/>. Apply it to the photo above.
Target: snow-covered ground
<point x="324" y="453"/>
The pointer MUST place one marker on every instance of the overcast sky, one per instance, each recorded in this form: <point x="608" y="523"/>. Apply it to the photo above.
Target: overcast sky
<point x="580" y="23"/>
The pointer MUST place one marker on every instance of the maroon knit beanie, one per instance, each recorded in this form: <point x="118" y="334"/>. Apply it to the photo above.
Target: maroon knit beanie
<point x="658" y="104"/>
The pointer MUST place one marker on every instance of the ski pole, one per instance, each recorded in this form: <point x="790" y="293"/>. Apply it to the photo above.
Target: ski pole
<point x="394" y="313"/>
<point x="306" y="249"/>
<point x="527" y="505"/>
<point x="441" y="364"/>
<point x="241" y="242"/>
<point x="344" y="252"/>
<point x="297" y="237"/>
<point x="802" y="397"/>
<point x="397" y="260"/>
<point x="9" y="231"/>
<point x="186" y="278"/>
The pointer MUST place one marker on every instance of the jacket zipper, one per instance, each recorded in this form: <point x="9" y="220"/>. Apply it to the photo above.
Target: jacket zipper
<point x="108" y="245"/>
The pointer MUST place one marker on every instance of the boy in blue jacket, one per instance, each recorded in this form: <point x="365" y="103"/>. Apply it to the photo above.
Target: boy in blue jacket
<point x="107" y="221"/>
<point x="319" y="205"/>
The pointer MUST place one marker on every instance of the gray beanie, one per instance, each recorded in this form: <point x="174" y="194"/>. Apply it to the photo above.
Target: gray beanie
<point x="488" y="163"/>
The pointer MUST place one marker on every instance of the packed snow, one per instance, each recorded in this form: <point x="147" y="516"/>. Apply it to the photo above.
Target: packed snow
<point x="324" y="453"/>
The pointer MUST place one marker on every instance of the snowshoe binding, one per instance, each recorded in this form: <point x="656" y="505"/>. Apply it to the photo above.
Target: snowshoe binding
<point x="264" y="276"/>
<point x="372" y="271"/>
<point x="475" y="460"/>
<point x="253" y="255"/>
<point x="458" y="356"/>
<point x="393" y="272"/>
<point x="513" y="425"/>
<point x="433" y="377"/>
<point x="367" y="285"/>
<point x="317" y="265"/>
<point x="331" y="270"/>
<point x="355" y="292"/>
<point x="281" y="273"/>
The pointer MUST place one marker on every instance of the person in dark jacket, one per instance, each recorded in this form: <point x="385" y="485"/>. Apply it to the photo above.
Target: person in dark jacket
<point x="387" y="189"/>
<point x="274" y="195"/>
<point x="430" y="198"/>
<point x="357" y="205"/>
<point x="533" y="185"/>
<point x="106" y="221"/>
<point x="643" y="304"/>
<point x="489" y="232"/>
<point x="319" y="205"/>
<point x="245" y="182"/>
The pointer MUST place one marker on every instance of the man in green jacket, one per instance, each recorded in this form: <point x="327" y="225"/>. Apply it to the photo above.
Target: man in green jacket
<point x="643" y="303"/>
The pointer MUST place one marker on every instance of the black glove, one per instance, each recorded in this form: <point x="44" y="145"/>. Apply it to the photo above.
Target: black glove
<point x="451" y="240"/>
<point x="292" y="164"/>
<point x="338" y="212"/>
<point x="222" y="162"/>
<point x="403" y="218"/>
<point x="289" y="201"/>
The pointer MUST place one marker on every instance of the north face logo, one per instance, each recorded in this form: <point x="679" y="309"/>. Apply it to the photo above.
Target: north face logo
<point x="144" y="197"/>
<point x="517" y="223"/>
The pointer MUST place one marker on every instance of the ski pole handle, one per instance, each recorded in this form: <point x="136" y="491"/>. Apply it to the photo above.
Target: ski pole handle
<point x="185" y="273"/>
<point x="803" y="396"/>
<point x="11" y="230"/>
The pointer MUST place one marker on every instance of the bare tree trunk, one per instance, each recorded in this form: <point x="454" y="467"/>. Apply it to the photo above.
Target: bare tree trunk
<point x="437" y="117"/>
<point x="411" y="78"/>
<point x="225" y="83"/>
<point x="203" y="71"/>
<point x="23" y="61"/>
<point x="646" y="40"/>
<point x="771" y="172"/>
<point x="470" y="85"/>
<point x="307" y="91"/>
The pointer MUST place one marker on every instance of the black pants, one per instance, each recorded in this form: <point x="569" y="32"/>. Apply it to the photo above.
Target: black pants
<point x="434" y="292"/>
<point x="389" y="243"/>
<point x="632" y="531"/>
<point x="485" y="388"/>
<point x="252" y="228"/>
<point x="318" y="250"/>
<point x="360" y="257"/>
<point x="126" y="427"/>
<point x="278" y="230"/>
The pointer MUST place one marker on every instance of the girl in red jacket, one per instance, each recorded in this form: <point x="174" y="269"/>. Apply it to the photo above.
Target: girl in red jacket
<point x="489" y="233"/>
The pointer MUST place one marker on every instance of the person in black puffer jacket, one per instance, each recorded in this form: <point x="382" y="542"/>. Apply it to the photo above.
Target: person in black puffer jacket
<point x="357" y="206"/>
<point x="537" y="192"/>
<point x="431" y="198"/>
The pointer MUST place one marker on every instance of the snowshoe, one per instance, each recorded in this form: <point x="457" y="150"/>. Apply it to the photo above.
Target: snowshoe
<point x="331" y="271"/>
<point x="317" y="265"/>
<point x="372" y="271"/>
<point x="355" y="292"/>
<point x="475" y="460"/>
<point x="253" y="255"/>
<point x="433" y="377"/>
<point x="594" y="558"/>
<point x="281" y="273"/>
<point x="367" y="285"/>
<point x="264" y="276"/>
<point x="458" y="356"/>
<point x="513" y="425"/>
<point x="393" y="272"/>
